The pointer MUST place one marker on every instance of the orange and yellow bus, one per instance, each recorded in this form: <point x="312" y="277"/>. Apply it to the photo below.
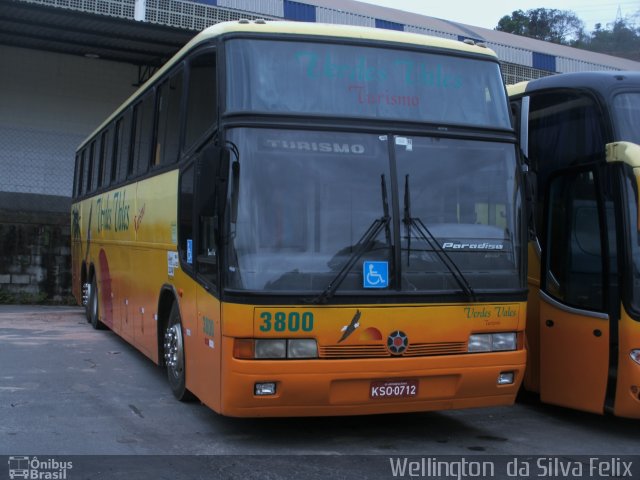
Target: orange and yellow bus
<point x="303" y="219"/>
<point x="581" y="137"/>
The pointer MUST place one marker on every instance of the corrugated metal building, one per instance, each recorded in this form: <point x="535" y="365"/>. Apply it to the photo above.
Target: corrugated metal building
<point x="66" y="64"/>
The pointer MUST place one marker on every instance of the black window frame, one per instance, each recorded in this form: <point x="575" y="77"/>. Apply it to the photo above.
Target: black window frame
<point x="607" y="243"/>
<point x="543" y="173"/>
<point x="193" y="144"/>
<point x="160" y="159"/>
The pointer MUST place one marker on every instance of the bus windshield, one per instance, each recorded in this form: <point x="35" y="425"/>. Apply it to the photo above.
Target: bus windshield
<point x="306" y="199"/>
<point x="626" y="116"/>
<point x="347" y="80"/>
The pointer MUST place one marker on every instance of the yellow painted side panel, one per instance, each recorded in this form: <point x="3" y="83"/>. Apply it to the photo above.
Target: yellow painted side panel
<point x="127" y="236"/>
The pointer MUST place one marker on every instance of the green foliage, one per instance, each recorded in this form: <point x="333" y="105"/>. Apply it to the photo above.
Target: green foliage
<point x="621" y="39"/>
<point x="550" y="25"/>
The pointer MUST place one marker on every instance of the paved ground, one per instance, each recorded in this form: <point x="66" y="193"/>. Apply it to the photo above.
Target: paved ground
<point x="66" y="390"/>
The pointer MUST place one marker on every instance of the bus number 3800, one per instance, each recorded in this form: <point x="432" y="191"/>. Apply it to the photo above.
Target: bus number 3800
<point x="286" y="322"/>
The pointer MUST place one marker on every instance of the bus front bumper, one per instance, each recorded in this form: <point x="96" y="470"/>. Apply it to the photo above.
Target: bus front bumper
<point x="353" y="387"/>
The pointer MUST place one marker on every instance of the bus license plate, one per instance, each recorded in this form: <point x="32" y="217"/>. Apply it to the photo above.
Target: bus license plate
<point x="394" y="389"/>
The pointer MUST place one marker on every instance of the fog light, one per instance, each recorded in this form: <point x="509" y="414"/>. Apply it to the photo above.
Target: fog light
<point x="265" y="388"/>
<point x="505" y="378"/>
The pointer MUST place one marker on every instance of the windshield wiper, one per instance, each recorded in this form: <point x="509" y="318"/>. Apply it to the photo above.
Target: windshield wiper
<point x="363" y="245"/>
<point x="431" y="240"/>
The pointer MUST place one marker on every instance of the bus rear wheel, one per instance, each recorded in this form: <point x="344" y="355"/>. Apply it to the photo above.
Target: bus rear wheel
<point x="174" y="356"/>
<point x="93" y="306"/>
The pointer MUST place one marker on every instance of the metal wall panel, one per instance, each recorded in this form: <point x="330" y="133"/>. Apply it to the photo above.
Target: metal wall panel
<point x="389" y="25"/>
<point x="567" y="65"/>
<point x="113" y="8"/>
<point x="273" y="8"/>
<point x="191" y="15"/>
<point x="544" y="61"/>
<point x="428" y="31"/>
<point x="329" y="15"/>
<point x="512" y="55"/>
<point x="300" y="12"/>
<point x="51" y="103"/>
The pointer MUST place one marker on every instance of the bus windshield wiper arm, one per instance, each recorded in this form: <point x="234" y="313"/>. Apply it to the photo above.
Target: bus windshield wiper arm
<point x="431" y="240"/>
<point x="362" y="246"/>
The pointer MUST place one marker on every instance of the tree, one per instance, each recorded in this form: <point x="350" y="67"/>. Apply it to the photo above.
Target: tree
<point x="622" y="39"/>
<point x="551" y="25"/>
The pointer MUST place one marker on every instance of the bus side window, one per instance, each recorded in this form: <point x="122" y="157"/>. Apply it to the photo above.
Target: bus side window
<point x="77" y="177"/>
<point x="565" y="129"/>
<point x="92" y="149"/>
<point x="201" y="98"/>
<point x="141" y="141"/>
<point x="574" y="274"/>
<point x="82" y="178"/>
<point x="123" y="147"/>
<point x="96" y="163"/>
<point x="168" y="121"/>
<point x="102" y="158"/>
<point x="185" y="217"/>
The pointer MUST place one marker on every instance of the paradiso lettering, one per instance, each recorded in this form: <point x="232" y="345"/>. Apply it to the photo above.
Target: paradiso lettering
<point x="113" y="214"/>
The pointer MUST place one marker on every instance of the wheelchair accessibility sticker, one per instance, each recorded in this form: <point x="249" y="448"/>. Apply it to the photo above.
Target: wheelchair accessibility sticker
<point x="375" y="274"/>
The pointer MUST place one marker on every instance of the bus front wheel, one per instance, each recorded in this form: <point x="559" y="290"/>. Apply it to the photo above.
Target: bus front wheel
<point x="174" y="355"/>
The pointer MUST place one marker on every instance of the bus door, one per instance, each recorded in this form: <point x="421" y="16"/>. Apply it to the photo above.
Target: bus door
<point x="211" y="164"/>
<point x="574" y="319"/>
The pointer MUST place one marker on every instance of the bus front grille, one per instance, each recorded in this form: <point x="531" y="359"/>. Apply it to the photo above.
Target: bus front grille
<point x="380" y="350"/>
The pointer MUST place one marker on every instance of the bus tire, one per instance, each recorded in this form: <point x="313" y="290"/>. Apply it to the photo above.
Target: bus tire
<point x="86" y="293"/>
<point x="93" y="308"/>
<point x="174" y="356"/>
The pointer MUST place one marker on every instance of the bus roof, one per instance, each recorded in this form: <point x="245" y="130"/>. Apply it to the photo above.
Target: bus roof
<point x="596" y="81"/>
<point x="300" y="29"/>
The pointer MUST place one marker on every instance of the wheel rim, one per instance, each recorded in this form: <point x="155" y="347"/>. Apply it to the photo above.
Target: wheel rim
<point x="93" y="295"/>
<point x="173" y="350"/>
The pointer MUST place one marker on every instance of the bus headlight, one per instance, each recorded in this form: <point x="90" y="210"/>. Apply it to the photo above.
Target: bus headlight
<point x="270" y="349"/>
<point x="302" y="348"/>
<point x="282" y="348"/>
<point x="492" y="342"/>
<point x="503" y="341"/>
<point x="479" y="343"/>
<point x="635" y="355"/>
